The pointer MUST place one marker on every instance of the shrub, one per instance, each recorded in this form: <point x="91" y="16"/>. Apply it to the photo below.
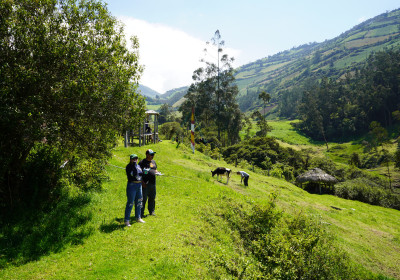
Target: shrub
<point x="170" y="130"/>
<point x="42" y="175"/>
<point x="276" y="171"/>
<point x="283" y="247"/>
<point x="365" y="190"/>
<point x="329" y="167"/>
<point x="257" y="149"/>
<point x="200" y="147"/>
<point x="370" y="161"/>
<point x="214" y="154"/>
<point x="355" y="160"/>
<point x="47" y="175"/>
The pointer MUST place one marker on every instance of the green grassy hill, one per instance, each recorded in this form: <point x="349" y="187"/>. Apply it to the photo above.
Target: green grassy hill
<point x="188" y="239"/>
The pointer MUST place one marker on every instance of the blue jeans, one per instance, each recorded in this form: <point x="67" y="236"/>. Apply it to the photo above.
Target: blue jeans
<point x="135" y="197"/>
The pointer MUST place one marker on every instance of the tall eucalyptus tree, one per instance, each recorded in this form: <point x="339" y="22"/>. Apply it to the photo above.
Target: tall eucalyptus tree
<point x="214" y="92"/>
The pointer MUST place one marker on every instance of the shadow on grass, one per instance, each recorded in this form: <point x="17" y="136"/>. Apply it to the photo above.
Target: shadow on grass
<point x="113" y="226"/>
<point x="31" y="234"/>
<point x="315" y="188"/>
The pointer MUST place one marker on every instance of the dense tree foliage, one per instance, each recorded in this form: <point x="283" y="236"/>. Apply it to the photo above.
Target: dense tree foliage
<point x="67" y="86"/>
<point x="342" y="108"/>
<point x="165" y="113"/>
<point x="262" y="123"/>
<point x="263" y="152"/>
<point x="213" y="94"/>
<point x="397" y="156"/>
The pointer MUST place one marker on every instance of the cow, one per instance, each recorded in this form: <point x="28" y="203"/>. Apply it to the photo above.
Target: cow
<point x="222" y="171"/>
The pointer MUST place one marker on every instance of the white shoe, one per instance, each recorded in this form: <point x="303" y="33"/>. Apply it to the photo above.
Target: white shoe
<point x="127" y="224"/>
<point x="140" y="221"/>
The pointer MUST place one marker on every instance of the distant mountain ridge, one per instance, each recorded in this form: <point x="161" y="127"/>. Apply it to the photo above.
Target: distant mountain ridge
<point x="288" y="69"/>
<point x="332" y="58"/>
<point x="146" y="91"/>
<point x="171" y="97"/>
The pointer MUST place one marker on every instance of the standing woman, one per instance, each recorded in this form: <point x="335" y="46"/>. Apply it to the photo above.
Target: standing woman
<point x="133" y="190"/>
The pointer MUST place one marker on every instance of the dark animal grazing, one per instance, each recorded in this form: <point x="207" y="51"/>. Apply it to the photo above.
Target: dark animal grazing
<point x="222" y="171"/>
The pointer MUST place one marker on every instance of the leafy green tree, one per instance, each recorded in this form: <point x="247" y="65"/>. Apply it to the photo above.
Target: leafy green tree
<point x="396" y="115"/>
<point x="165" y="113"/>
<point x="67" y="81"/>
<point x="289" y="103"/>
<point x="386" y="159"/>
<point x="262" y="124"/>
<point x="248" y="124"/>
<point x="397" y="155"/>
<point x="213" y="94"/>
<point x="171" y="130"/>
<point x="267" y="164"/>
<point x="355" y="160"/>
<point x="265" y="97"/>
<point x="378" y="133"/>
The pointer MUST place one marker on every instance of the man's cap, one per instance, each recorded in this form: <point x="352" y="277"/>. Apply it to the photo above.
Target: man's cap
<point x="150" y="152"/>
<point x="132" y="156"/>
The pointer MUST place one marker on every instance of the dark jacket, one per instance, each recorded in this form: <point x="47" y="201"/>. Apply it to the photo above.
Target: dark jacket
<point x="150" y="177"/>
<point x="133" y="172"/>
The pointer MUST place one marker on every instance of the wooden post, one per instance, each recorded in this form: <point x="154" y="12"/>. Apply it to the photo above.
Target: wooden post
<point x="139" y="135"/>
<point x="126" y="139"/>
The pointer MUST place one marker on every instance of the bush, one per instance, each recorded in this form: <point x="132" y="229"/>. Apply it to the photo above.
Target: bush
<point x="42" y="176"/>
<point x="329" y="167"/>
<point x="365" y="190"/>
<point x="85" y="174"/>
<point x="262" y="152"/>
<point x="283" y="247"/>
<point x="276" y="171"/>
<point x="170" y="130"/>
<point x="47" y="175"/>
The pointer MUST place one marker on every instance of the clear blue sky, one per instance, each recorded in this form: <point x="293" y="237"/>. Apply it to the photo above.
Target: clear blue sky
<point x="173" y="33"/>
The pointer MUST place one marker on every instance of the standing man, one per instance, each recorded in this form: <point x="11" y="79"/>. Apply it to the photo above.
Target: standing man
<point x="149" y="168"/>
<point x="244" y="176"/>
<point x="133" y="190"/>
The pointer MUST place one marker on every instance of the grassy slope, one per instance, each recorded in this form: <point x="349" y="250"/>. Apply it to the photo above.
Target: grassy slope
<point x="179" y="244"/>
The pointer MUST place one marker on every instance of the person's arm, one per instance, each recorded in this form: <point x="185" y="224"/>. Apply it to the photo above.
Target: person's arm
<point x="142" y="165"/>
<point x="155" y="166"/>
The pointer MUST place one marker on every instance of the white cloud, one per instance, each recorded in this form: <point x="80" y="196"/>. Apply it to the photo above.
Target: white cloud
<point x="169" y="55"/>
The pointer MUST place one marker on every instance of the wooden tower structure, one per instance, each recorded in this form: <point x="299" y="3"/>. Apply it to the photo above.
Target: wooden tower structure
<point x="146" y="132"/>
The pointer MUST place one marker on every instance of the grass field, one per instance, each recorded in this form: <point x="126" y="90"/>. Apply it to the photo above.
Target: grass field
<point x="181" y="242"/>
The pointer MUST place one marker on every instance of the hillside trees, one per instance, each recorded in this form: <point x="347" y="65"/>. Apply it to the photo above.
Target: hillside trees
<point x="67" y="86"/>
<point x="165" y="113"/>
<point x="213" y="94"/>
<point x="342" y="108"/>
